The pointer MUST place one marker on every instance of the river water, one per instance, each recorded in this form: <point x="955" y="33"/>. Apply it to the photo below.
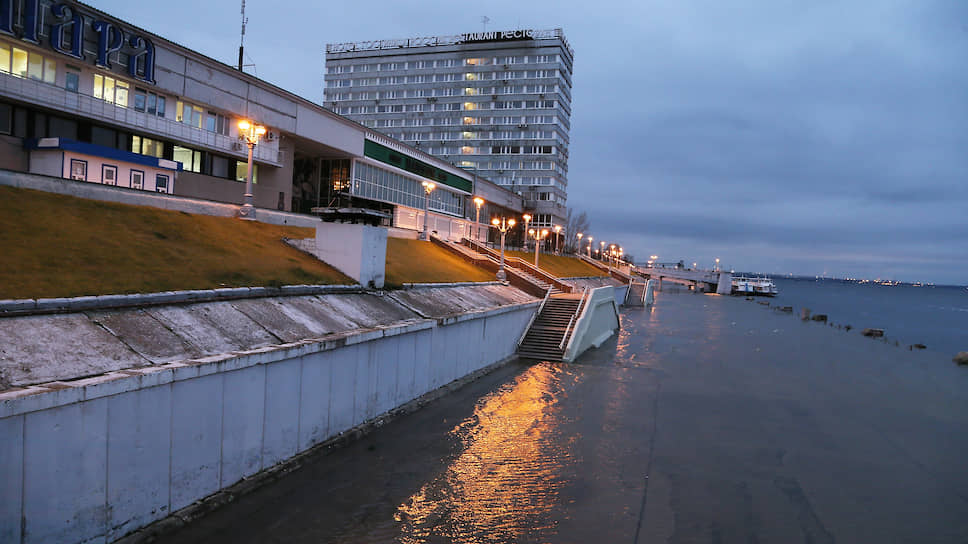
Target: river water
<point x="935" y="316"/>
<point x="707" y="419"/>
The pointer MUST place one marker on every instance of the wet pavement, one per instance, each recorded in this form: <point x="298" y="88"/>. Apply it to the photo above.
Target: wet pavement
<point x="708" y="419"/>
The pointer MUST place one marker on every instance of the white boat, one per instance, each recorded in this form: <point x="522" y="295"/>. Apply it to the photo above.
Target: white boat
<point x="743" y="285"/>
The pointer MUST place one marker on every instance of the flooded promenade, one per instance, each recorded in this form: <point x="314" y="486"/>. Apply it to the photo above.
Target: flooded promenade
<point x="708" y="419"/>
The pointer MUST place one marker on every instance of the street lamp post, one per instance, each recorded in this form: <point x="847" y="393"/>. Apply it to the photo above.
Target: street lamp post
<point x="250" y="132"/>
<point x="717" y="264"/>
<point x="590" y="239"/>
<point x="578" y="247"/>
<point x="655" y="260"/>
<point x="538" y="236"/>
<point x="477" y="222"/>
<point x="611" y="255"/>
<point x="601" y="253"/>
<point x="557" y="237"/>
<point x="502" y="225"/>
<point x="429" y="187"/>
<point x="527" y="219"/>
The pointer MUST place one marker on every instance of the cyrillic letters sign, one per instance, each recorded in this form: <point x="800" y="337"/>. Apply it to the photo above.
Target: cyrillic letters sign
<point x="70" y="27"/>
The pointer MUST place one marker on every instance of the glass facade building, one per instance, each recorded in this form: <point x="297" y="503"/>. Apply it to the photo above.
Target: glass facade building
<point x="497" y="104"/>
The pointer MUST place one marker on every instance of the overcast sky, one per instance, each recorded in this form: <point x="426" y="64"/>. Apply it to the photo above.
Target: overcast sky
<point x="804" y="137"/>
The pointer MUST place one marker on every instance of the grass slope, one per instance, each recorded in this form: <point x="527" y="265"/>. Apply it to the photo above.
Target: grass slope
<point x="560" y="266"/>
<point x="57" y="246"/>
<point x="415" y="261"/>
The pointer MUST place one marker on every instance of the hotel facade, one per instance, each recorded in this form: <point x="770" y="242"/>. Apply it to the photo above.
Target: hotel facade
<point x="88" y="97"/>
<point x="497" y="104"/>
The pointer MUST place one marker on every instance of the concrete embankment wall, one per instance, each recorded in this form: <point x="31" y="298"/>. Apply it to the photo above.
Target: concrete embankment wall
<point x="598" y="321"/>
<point x="91" y="459"/>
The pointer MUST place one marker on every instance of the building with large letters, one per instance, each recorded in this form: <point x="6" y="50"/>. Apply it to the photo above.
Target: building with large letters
<point x="86" y="96"/>
<point x="496" y="103"/>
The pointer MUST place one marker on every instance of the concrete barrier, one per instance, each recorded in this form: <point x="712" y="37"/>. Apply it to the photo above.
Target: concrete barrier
<point x="92" y="459"/>
<point x="598" y="322"/>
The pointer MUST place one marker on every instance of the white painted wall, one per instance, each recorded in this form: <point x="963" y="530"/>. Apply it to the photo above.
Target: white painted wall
<point x="598" y="321"/>
<point x="359" y="251"/>
<point x="109" y="454"/>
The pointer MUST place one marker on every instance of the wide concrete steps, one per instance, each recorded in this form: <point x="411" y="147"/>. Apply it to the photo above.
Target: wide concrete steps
<point x="550" y="331"/>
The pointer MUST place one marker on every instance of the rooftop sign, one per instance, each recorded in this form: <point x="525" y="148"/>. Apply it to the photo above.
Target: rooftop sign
<point x="68" y="28"/>
<point x="456" y="39"/>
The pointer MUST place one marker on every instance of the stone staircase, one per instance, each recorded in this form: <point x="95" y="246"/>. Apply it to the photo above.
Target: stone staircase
<point x="543" y="340"/>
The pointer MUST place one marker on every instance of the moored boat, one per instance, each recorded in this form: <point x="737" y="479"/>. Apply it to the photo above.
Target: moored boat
<point x="762" y="286"/>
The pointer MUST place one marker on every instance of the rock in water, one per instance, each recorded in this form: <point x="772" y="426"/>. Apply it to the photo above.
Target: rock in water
<point x="873" y="333"/>
<point x="961" y="358"/>
<point x="820" y="317"/>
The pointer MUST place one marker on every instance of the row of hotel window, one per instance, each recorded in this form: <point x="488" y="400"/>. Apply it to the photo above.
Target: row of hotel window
<point x="463" y="135"/>
<point x="28" y="64"/>
<point x="454" y="106"/>
<point x="508" y="165"/>
<point x="440" y="78"/>
<point x="445" y="91"/>
<point x="109" y="176"/>
<point x="441" y="63"/>
<point x="530" y="195"/>
<point x="517" y="180"/>
<point x="469" y="150"/>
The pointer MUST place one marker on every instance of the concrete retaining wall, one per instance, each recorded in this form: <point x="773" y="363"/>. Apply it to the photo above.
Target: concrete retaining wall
<point x="597" y="322"/>
<point x="92" y="459"/>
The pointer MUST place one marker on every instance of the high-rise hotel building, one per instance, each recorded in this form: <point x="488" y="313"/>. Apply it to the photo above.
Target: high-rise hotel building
<point x="496" y="104"/>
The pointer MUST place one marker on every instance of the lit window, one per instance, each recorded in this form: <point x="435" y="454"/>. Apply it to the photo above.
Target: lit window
<point x="189" y="114"/>
<point x="470" y="106"/>
<point x="110" y="90"/>
<point x="19" y="66"/>
<point x="241" y="168"/>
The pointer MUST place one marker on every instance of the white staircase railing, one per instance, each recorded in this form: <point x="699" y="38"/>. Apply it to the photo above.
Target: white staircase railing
<point x="535" y="315"/>
<point x="574" y="316"/>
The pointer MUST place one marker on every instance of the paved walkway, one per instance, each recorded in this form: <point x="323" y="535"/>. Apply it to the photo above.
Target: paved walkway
<point x="709" y="419"/>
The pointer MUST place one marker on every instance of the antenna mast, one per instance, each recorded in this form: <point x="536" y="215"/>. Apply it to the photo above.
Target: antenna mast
<point x="242" y="41"/>
<point x="484" y="20"/>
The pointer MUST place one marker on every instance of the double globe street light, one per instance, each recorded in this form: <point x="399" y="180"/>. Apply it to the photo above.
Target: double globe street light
<point x="504" y="225"/>
<point x="250" y="133"/>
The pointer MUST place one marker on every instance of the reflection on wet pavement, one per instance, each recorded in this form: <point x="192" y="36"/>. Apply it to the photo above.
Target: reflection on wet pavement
<point x="506" y="480"/>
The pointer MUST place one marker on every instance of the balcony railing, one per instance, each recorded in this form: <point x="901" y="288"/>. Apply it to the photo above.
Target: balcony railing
<point x="44" y="94"/>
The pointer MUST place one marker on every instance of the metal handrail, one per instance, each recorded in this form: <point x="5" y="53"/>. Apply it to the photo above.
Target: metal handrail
<point x="533" y="270"/>
<point x="535" y="315"/>
<point x="584" y="292"/>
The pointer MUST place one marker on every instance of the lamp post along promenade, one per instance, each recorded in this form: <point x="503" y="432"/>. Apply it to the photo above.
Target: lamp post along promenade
<point x="538" y="236"/>
<point x="477" y="222"/>
<point x="428" y="188"/>
<point x="502" y="225"/>
<point x="250" y="133"/>
<point x="527" y="219"/>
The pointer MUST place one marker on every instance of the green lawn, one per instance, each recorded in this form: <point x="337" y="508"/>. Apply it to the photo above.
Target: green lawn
<point x="415" y="261"/>
<point x="58" y="246"/>
<point x="560" y="266"/>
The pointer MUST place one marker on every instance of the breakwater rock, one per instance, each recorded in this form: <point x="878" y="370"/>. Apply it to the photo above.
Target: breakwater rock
<point x="961" y="358"/>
